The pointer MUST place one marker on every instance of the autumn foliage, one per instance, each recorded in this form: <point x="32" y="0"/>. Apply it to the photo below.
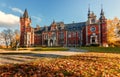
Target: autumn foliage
<point x="113" y="32"/>
<point x="84" y="65"/>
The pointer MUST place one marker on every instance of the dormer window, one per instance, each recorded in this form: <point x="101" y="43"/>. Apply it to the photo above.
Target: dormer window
<point x="53" y="28"/>
<point x="93" y="20"/>
<point x="74" y="28"/>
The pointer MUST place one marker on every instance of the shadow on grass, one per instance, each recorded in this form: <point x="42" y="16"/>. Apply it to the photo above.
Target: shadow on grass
<point x="45" y="55"/>
<point x="8" y="58"/>
<point x="32" y="54"/>
<point x="13" y="59"/>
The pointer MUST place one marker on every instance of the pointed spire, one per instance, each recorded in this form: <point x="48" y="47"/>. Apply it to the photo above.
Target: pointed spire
<point x="53" y="21"/>
<point x="25" y="15"/>
<point x="102" y="12"/>
<point x="89" y="10"/>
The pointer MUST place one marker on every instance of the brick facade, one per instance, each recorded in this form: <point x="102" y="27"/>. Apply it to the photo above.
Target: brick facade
<point x="91" y="32"/>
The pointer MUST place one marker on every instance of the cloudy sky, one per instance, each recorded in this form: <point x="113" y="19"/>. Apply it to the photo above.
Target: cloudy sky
<point x="43" y="12"/>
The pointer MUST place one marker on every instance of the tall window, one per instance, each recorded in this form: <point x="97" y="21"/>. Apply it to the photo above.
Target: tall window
<point x="61" y="35"/>
<point x="69" y="34"/>
<point x="74" y="34"/>
<point x="79" y="34"/>
<point x="53" y="35"/>
<point x="61" y="40"/>
<point x="45" y="36"/>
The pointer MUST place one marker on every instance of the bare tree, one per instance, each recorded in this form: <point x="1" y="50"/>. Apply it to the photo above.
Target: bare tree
<point x="9" y="37"/>
<point x="4" y="35"/>
<point x="16" y="38"/>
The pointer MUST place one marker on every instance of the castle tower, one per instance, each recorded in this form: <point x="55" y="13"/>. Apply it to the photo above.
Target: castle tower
<point x="25" y="21"/>
<point x="103" y="29"/>
<point x="91" y="29"/>
<point x="25" y="29"/>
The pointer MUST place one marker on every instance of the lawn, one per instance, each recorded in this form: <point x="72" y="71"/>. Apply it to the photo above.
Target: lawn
<point x="38" y="49"/>
<point x="45" y="49"/>
<point x="102" y="49"/>
<point x="84" y="65"/>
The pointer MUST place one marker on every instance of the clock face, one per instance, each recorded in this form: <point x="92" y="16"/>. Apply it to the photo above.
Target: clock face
<point x="92" y="29"/>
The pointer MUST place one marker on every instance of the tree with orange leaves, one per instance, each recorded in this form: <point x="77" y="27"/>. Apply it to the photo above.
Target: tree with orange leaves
<point x="113" y="32"/>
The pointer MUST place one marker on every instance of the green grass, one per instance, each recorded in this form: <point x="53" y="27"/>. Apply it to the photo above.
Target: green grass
<point x="102" y="49"/>
<point x="45" y="49"/>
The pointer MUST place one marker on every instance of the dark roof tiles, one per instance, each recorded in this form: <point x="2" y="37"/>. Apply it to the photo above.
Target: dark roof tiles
<point x="69" y="27"/>
<point x="75" y="26"/>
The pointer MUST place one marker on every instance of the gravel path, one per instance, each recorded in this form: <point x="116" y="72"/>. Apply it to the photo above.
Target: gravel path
<point x="27" y="56"/>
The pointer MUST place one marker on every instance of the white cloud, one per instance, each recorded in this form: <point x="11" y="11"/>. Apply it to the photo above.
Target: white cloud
<point x="16" y="10"/>
<point x="38" y="19"/>
<point x="8" y="20"/>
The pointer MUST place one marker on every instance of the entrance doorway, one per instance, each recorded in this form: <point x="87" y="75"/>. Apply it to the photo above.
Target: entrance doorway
<point x="93" y="40"/>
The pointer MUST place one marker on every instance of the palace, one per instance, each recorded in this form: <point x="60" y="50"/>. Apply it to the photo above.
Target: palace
<point x="91" y="32"/>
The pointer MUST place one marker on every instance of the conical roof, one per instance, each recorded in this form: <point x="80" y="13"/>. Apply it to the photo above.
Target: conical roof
<point x="25" y="15"/>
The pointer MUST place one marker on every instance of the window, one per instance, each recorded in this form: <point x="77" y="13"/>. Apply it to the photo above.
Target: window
<point x="93" y="20"/>
<point x="45" y="36"/>
<point x="53" y="35"/>
<point x="79" y="34"/>
<point x="74" y="34"/>
<point x="61" y="35"/>
<point x="69" y="34"/>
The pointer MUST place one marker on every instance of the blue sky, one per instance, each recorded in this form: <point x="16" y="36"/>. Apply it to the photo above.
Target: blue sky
<point x="43" y="12"/>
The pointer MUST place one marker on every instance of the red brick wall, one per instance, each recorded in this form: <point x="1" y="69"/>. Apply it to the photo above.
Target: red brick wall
<point x="73" y="39"/>
<point x="84" y="36"/>
<point x="104" y="33"/>
<point x="90" y="32"/>
<point x="24" y="22"/>
<point x="37" y="39"/>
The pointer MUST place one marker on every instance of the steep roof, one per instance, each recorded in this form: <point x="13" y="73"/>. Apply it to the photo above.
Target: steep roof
<point x="75" y="26"/>
<point x="25" y="15"/>
<point x="68" y="27"/>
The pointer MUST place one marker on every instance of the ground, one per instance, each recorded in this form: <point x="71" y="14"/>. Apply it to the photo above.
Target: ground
<point x="72" y="63"/>
<point x="13" y="57"/>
